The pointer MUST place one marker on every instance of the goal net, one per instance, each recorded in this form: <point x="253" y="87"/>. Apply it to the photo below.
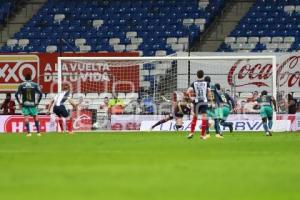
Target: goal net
<point x="144" y="83"/>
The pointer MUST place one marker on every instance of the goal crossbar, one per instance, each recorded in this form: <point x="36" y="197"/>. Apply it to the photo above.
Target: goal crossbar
<point x="166" y="58"/>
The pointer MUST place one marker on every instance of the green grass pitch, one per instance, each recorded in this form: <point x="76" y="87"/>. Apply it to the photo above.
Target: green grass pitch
<point x="154" y="166"/>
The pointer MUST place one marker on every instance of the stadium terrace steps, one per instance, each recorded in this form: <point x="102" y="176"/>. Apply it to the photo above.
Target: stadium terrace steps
<point x="22" y="16"/>
<point x="223" y="25"/>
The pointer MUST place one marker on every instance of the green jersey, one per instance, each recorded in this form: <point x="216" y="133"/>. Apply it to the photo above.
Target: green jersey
<point x="265" y="100"/>
<point x="28" y="91"/>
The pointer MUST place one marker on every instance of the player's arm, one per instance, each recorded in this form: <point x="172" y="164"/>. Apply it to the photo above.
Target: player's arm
<point x="38" y="90"/>
<point x="17" y="94"/>
<point x="210" y="98"/>
<point x="191" y="93"/>
<point x="179" y="107"/>
<point x="50" y="106"/>
<point x="231" y="100"/>
<point x="165" y="99"/>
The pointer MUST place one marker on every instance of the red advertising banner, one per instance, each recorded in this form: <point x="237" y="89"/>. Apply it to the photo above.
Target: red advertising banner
<point x="91" y="76"/>
<point x="82" y="121"/>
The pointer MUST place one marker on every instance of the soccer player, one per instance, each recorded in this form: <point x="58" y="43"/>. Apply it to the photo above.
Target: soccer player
<point x="199" y="88"/>
<point x="181" y="106"/>
<point x="28" y="90"/>
<point x="213" y="109"/>
<point x="60" y="109"/>
<point x="226" y="103"/>
<point x="266" y="111"/>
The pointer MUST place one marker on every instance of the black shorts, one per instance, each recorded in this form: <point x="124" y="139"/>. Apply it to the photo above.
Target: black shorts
<point x="200" y="108"/>
<point x="61" y="111"/>
<point x="182" y="110"/>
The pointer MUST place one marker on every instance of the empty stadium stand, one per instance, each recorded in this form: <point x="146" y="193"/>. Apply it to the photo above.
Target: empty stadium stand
<point x="6" y="6"/>
<point x="155" y="27"/>
<point x="269" y="26"/>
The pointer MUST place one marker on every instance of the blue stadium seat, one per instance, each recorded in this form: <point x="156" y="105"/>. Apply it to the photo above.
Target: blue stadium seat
<point x="151" y="19"/>
<point x="267" y="18"/>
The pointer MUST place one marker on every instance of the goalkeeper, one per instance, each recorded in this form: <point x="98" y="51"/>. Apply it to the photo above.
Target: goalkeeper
<point x="181" y="106"/>
<point x="28" y="90"/>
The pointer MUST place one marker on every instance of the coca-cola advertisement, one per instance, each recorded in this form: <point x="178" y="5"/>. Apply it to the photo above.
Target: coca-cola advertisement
<point x="244" y="75"/>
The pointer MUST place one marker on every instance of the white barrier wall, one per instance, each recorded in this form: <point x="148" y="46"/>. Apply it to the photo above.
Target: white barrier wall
<point x="242" y="122"/>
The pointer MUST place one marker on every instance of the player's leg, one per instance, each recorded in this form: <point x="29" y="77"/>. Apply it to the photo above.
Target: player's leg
<point x="61" y="123"/>
<point x="218" y="117"/>
<point x="70" y="125"/>
<point x="265" y="125"/>
<point x="264" y="117"/>
<point x="204" y="125"/>
<point x="27" y="125"/>
<point x="179" y="122"/>
<point x="194" y="121"/>
<point x="34" y="113"/>
<point x="203" y="110"/>
<point x="37" y="125"/>
<point x="226" y="112"/>
<point x="269" y="111"/>
<point x="218" y="128"/>
<point x="210" y="116"/>
<point x="168" y="118"/>
<point x="57" y="112"/>
<point x="26" y="113"/>
<point x="68" y="117"/>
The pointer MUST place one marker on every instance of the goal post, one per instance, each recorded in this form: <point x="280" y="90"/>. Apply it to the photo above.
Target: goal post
<point x="159" y="75"/>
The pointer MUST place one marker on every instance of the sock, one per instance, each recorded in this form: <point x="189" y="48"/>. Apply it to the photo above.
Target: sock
<point x="266" y="128"/>
<point x="204" y="125"/>
<point x="159" y="123"/>
<point x="217" y="126"/>
<point x="60" y="122"/>
<point x="27" y="127"/>
<point x="70" y="125"/>
<point x="270" y="124"/>
<point x="37" y="125"/>
<point x="193" y="124"/>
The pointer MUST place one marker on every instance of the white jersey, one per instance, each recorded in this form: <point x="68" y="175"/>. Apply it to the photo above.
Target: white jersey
<point x="200" y="88"/>
<point x="61" y="98"/>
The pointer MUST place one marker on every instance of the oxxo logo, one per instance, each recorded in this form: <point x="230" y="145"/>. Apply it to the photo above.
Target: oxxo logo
<point x="13" y="68"/>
